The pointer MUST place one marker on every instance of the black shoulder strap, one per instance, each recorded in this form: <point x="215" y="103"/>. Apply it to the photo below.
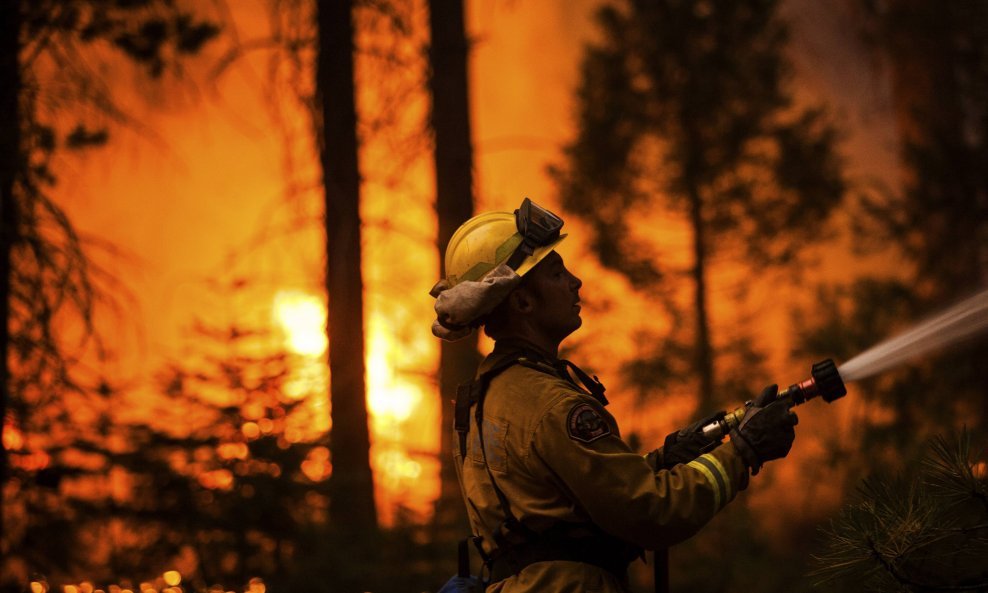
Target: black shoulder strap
<point x="472" y="394"/>
<point x="468" y="395"/>
<point x="511" y="522"/>
<point x="593" y="386"/>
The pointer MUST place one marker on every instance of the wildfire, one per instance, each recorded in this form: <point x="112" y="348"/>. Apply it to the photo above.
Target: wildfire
<point x="303" y="319"/>
<point x="392" y="400"/>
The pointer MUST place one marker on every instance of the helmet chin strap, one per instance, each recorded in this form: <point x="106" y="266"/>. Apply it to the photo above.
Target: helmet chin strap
<point x="524" y="250"/>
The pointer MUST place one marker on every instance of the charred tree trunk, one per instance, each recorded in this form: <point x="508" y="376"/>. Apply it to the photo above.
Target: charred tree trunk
<point x="10" y="161"/>
<point x="703" y="350"/>
<point x="454" y="206"/>
<point x="352" y="484"/>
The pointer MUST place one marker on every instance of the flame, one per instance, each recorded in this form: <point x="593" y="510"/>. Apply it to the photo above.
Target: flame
<point x="303" y="319"/>
<point x="398" y="466"/>
<point x="391" y="401"/>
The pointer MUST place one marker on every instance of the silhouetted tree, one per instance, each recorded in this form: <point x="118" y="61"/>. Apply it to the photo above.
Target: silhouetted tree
<point x="936" y="221"/>
<point x="236" y="477"/>
<point x="938" y="63"/>
<point x="454" y="206"/>
<point x="10" y="152"/>
<point x="44" y="270"/>
<point x="313" y="46"/>
<point x="226" y="469"/>
<point x="685" y="109"/>
<point x="685" y="106"/>
<point x="352" y="508"/>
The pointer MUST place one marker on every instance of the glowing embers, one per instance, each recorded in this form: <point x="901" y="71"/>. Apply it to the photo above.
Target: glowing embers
<point x="233" y="451"/>
<point x="172" y="577"/>
<point x="169" y="582"/>
<point x="316" y="466"/>
<point x="217" y="479"/>
<point x="13" y="438"/>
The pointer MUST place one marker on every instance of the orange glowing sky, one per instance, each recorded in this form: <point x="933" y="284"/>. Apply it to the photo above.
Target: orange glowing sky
<point x="203" y="204"/>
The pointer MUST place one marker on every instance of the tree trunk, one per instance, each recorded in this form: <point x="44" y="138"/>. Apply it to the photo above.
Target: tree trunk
<point x="10" y="160"/>
<point x="352" y="484"/>
<point x="703" y="349"/>
<point x="454" y="206"/>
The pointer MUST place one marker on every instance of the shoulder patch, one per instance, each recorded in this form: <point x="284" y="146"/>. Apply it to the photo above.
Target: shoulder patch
<point x="585" y="424"/>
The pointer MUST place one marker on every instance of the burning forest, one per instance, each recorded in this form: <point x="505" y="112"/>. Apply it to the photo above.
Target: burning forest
<point x="227" y="228"/>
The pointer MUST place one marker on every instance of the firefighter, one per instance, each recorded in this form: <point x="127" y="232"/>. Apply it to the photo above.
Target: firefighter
<point x="557" y="501"/>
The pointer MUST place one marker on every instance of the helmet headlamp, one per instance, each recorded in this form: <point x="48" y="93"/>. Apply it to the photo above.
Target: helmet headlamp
<point x="537" y="226"/>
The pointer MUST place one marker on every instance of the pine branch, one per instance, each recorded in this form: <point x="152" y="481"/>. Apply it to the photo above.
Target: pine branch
<point x="921" y="531"/>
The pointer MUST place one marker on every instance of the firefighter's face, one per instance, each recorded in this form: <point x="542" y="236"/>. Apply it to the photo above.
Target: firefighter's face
<point x="555" y="295"/>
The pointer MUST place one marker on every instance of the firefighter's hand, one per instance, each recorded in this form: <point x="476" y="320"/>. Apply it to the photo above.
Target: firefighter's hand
<point x="766" y="432"/>
<point x="683" y="446"/>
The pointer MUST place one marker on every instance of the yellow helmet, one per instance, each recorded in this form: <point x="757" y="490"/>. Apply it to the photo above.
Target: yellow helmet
<point x="486" y="241"/>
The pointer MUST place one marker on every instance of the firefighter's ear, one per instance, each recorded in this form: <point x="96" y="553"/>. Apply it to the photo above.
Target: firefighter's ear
<point x="521" y="300"/>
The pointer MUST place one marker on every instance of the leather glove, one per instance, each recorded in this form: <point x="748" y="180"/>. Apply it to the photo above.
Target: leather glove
<point x="683" y="446"/>
<point x="766" y="431"/>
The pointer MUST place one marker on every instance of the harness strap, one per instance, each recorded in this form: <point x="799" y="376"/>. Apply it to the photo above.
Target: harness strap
<point x="511" y="524"/>
<point x="510" y="558"/>
<point x="594" y="386"/>
<point x="468" y="395"/>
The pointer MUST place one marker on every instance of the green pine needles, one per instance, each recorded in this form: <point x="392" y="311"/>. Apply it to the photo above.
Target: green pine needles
<point x="925" y="530"/>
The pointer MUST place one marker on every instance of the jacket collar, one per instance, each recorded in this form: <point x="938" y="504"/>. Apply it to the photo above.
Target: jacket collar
<point x="514" y="348"/>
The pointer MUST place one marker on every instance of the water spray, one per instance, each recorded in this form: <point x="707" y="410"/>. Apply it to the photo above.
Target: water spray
<point x="962" y="321"/>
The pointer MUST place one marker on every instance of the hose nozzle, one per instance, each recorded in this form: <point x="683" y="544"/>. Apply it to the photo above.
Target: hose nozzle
<point x="824" y="382"/>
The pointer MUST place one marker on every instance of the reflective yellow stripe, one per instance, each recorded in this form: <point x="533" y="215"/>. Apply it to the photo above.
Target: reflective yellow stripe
<point x="501" y="254"/>
<point x="697" y="465"/>
<point x="723" y="472"/>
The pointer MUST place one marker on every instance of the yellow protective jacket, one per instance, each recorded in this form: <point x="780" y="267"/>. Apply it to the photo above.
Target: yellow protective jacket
<point x="558" y="457"/>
